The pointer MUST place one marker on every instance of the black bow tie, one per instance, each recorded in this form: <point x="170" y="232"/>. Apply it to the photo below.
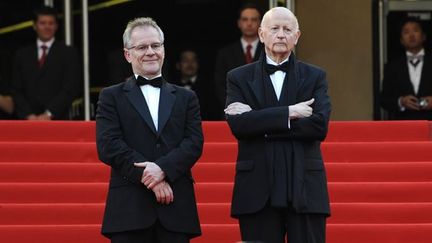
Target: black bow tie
<point x="272" y="68"/>
<point x="156" y="82"/>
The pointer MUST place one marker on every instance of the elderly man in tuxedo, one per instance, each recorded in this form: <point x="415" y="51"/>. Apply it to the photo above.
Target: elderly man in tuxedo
<point x="149" y="132"/>
<point x="278" y="109"/>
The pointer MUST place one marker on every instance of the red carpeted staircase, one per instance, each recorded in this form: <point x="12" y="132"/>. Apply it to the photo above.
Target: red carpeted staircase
<point x="52" y="186"/>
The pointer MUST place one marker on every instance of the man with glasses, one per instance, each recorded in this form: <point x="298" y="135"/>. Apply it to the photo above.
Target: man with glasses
<point x="149" y="132"/>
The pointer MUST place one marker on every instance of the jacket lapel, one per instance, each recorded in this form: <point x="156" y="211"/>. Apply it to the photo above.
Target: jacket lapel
<point x="135" y="96"/>
<point x="166" y="103"/>
<point x="425" y="84"/>
<point x="291" y="83"/>
<point x="256" y="83"/>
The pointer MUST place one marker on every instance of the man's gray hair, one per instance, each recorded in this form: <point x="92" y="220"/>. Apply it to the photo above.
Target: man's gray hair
<point x="140" y="22"/>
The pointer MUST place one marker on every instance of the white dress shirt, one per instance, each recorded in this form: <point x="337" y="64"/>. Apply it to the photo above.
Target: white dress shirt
<point x="151" y="95"/>
<point x="415" y="72"/>
<point x="254" y="46"/>
<point x="277" y="79"/>
<point x="40" y="43"/>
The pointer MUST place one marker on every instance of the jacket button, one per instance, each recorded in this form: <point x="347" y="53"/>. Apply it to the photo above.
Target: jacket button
<point x="158" y="145"/>
<point x="265" y="135"/>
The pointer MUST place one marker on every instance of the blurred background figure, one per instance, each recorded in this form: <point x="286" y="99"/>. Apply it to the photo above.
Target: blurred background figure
<point x="245" y="50"/>
<point x="407" y="83"/>
<point x="6" y="102"/>
<point x="189" y="77"/>
<point x="46" y="74"/>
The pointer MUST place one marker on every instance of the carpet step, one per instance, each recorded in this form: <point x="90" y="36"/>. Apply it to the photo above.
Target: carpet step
<point x="225" y="233"/>
<point x="53" y="131"/>
<point x="214" y="172"/>
<point x="226" y="152"/>
<point x="214" y="213"/>
<point x="81" y="131"/>
<point x="378" y="131"/>
<point x="219" y="131"/>
<point x="214" y="192"/>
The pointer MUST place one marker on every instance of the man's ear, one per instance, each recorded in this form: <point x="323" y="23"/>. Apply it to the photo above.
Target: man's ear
<point x="298" y="36"/>
<point x="260" y="34"/>
<point x="127" y="54"/>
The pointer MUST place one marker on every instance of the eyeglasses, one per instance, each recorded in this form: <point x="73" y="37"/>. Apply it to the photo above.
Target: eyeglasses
<point x="144" y="48"/>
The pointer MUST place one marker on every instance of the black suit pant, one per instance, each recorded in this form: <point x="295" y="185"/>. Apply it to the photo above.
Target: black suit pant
<point x="154" y="234"/>
<point x="273" y="225"/>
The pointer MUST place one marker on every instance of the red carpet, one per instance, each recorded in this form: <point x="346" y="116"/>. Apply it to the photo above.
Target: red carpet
<point x="53" y="188"/>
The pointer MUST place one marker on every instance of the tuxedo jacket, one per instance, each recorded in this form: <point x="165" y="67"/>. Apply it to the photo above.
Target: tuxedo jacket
<point x="397" y="83"/>
<point x="263" y="126"/>
<point x="125" y="134"/>
<point x="230" y="57"/>
<point x="52" y="87"/>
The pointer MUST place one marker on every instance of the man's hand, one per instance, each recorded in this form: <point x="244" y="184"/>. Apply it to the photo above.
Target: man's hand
<point x="44" y="117"/>
<point x="163" y="193"/>
<point x="152" y="174"/>
<point x="301" y="110"/>
<point x="410" y="102"/>
<point x="428" y="100"/>
<point x="237" y="108"/>
<point x="32" y="117"/>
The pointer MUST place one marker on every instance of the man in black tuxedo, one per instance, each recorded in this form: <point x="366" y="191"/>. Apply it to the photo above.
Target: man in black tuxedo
<point x="245" y="50"/>
<point x="278" y="109"/>
<point x="407" y="83"/>
<point x="149" y="132"/>
<point x="46" y="74"/>
<point x="189" y="77"/>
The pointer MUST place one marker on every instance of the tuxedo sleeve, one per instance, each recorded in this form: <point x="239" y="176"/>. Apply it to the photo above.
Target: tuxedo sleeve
<point x="257" y="122"/>
<point x="111" y="147"/>
<point x="180" y="160"/>
<point x="272" y="122"/>
<point x="314" y="127"/>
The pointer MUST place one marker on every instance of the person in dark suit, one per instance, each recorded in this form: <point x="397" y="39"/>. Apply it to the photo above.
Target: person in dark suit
<point x="6" y="102"/>
<point x="189" y="77"/>
<point x="245" y="50"/>
<point x="278" y="109"/>
<point x="46" y="74"/>
<point x="149" y="132"/>
<point x="407" y="84"/>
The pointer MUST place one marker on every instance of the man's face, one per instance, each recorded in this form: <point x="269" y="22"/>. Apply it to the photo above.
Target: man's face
<point x="412" y="36"/>
<point x="279" y="34"/>
<point x="249" y="22"/>
<point x="188" y="64"/>
<point x="145" y="52"/>
<point x="45" y="27"/>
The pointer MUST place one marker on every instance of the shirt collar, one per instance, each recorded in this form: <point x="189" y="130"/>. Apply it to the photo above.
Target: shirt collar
<point x="48" y="44"/>
<point x="270" y="61"/>
<point x="420" y="53"/>
<point x="245" y="43"/>
<point x="136" y="76"/>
